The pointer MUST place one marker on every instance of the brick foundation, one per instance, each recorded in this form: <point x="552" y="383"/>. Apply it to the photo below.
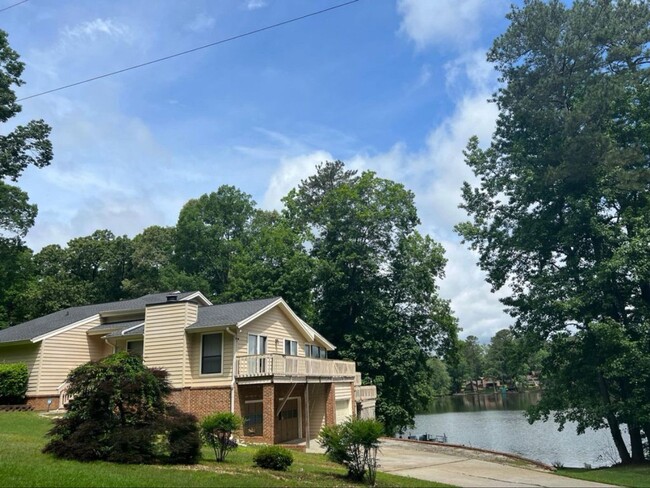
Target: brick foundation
<point x="39" y="403"/>
<point x="201" y="401"/>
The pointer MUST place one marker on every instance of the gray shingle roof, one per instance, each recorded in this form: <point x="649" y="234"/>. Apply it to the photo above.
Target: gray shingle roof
<point x="49" y="323"/>
<point x="115" y="326"/>
<point x="229" y="313"/>
<point x="126" y="333"/>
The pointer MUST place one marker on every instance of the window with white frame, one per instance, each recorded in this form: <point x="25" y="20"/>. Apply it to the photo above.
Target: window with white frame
<point x="211" y="353"/>
<point x="256" y="344"/>
<point x="313" y="351"/>
<point x="290" y="347"/>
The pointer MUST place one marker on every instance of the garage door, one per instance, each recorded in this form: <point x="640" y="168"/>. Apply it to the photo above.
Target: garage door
<point x="343" y="411"/>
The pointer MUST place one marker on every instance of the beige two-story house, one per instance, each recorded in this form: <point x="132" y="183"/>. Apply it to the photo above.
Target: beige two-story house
<point x="255" y="358"/>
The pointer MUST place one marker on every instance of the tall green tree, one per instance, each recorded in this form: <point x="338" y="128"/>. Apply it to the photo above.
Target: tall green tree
<point x="24" y="146"/>
<point x="210" y="231"/>
<point x="272" y="262"/>
<point x="375" y="291"/>
<point x="474" y="354"/>
<point x="561" y="210"/>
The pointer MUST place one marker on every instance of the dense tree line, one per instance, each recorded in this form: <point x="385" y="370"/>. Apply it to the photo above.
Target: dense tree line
<point x="344" y="253"/>
<point x="507" y="358"/>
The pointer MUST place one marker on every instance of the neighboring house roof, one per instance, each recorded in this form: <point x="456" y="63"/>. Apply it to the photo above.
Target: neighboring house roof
<point x="32" y="330"/>
<point x="229" y="313"/>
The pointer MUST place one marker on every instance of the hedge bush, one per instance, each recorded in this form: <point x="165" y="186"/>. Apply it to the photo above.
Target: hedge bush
<point x="118" y="413"/>
<point x="13" y="382"/>
<point x="273" y="457"/>
<point x="354" y="444"/>
<point x="217" y="429"/>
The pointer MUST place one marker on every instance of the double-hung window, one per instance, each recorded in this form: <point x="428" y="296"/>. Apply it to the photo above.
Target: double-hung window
<point x="256" y="344"/>
<point x="290" y="348"/>
<point x="211" y="353"/>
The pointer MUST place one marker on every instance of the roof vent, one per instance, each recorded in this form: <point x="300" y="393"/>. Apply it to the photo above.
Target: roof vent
<point x="172" y="298"/>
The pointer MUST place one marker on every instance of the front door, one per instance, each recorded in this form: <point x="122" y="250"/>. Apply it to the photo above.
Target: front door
<point x="288" y="422"/>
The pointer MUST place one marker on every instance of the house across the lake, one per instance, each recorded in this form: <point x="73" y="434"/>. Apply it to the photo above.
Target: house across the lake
<point x="255" y="358"/>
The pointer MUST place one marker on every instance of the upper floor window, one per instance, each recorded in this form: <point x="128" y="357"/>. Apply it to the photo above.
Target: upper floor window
<point x="211" y="353"/>
<point x="256" y="344"/>
<point x="312" y="351"/>
<point x="135" y="347"/>
<point x="290" y="348"/>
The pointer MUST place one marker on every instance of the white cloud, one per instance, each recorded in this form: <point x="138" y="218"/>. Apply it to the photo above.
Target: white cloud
<point x="435" y="174"/>
<point x="289" y="174"/>
<point x="446" y="23"/>
<point x="98" y="27"/>
<point x="478" y="310"/>
<point x="255" y="4"/>
<point x="201" y="22"/>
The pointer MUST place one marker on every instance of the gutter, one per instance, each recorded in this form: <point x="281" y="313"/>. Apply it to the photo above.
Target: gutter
<point x="234" y="365"/>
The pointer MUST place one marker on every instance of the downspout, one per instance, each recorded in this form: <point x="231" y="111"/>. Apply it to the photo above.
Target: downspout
<point x="234" y="365"/>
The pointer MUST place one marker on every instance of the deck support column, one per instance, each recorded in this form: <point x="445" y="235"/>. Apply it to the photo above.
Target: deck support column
<point x="268" y="397"/>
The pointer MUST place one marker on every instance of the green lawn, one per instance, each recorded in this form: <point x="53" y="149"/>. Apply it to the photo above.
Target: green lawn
<point x="23" y="464"/>
<point x="636" y="476"/>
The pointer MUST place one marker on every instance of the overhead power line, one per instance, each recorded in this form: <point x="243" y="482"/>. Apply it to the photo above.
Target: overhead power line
<point x="12" y="6"/>
<point x="182" y="53"/>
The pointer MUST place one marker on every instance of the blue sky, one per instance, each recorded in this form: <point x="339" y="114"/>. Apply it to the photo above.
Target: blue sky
<point x="396" y="86"/>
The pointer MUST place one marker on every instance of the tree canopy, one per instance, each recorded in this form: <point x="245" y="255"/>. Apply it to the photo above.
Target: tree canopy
<point x="24" y="146"/>
<point x="376" y="276"/>
<point x="561" y="210"/>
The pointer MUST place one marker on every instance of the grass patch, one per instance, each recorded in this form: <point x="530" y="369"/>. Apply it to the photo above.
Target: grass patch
<point x="636" y="476"/>
<point x="22" y="436"/>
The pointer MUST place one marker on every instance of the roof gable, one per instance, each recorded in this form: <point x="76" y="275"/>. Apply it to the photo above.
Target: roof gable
<point x="241" y="313"/>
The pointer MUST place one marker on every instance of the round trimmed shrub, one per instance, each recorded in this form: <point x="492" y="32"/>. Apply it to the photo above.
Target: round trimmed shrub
<point x="273" y="457"/>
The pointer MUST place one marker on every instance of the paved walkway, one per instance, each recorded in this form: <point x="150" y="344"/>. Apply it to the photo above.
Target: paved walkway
<point x="462" y="467"/>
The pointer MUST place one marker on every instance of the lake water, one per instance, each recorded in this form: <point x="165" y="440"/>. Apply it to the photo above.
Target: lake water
<point x="497" y="422"/>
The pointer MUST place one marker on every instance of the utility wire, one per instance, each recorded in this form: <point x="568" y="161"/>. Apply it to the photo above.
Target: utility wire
<point x="165" y="58"/>
<point x="14" y="5"/>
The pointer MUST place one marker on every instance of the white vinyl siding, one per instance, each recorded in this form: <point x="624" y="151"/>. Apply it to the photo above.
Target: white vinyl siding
<point x="67" y="350"/>
<point x="165" y="341"/>
<point x="30" y="355"/>
<point x="277" y="327"/>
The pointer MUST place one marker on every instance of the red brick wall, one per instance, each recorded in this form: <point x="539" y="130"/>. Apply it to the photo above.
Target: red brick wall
<point x="268" y="395"/>
<point x="330" y="405"/>
<point x="40" y="403"/>
<point x="201" y="401"/>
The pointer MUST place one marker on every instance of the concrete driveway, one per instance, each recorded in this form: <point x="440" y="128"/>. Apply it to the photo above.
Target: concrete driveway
<point x="462" y="467"/>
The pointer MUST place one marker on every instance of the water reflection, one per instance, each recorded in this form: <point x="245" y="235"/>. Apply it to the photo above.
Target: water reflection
<point x="497" y="422"/>
<point x="484" y="401"/>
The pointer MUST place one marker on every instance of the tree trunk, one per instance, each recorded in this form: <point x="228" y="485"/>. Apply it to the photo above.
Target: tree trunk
<point x="615" y="429"/>
<point x="637" y="444"/>
<point x="614" y="426"/>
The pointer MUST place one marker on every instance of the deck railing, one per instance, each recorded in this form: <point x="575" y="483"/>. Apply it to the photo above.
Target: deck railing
<point x="364" y="393"/>
<point x="64" y="397"/>
<point x="277" y="364"/>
